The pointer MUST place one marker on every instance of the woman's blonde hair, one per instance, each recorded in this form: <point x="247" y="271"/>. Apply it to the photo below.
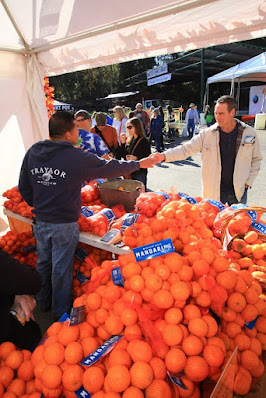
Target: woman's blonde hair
<point x="120" y="112"/>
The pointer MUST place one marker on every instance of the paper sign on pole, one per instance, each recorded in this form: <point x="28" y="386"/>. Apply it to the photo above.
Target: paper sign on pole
<point x="225" y="384"/>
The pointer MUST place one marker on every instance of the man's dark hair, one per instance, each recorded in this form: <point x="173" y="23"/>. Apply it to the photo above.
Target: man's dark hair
<point x="230" y="101"/>
<point x="59" y="123"/>
<point x="82" y="113"/>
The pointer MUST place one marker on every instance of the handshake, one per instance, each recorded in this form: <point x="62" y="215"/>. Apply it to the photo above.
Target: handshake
<point x="152" y="160"/>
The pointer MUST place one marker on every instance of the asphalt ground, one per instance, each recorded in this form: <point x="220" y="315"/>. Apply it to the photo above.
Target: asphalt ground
<point x="185" y="175"/>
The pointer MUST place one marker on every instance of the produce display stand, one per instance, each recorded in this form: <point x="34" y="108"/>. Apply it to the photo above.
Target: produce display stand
<point x="84" y="237"/>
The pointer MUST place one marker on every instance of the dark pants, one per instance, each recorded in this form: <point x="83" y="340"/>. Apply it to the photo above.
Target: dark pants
<point x="230" y="197"/>
<point x="141" y="175"/>
<point x="190" y="127"/>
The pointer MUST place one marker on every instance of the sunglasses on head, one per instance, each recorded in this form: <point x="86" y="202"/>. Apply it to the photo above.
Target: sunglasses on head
<point x="100" y="124"/>
<point x="81" y="119"/>
<point x="129" y="127"/>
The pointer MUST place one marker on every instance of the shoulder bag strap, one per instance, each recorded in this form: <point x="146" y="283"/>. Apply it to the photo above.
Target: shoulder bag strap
<point x="135" y="146"/>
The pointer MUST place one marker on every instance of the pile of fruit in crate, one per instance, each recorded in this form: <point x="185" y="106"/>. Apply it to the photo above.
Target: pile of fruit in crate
<point x="180" y="315"/>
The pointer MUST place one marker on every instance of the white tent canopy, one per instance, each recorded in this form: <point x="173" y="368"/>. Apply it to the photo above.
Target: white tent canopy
<point x="253" y="69"/>
<point x="45" y="37"/>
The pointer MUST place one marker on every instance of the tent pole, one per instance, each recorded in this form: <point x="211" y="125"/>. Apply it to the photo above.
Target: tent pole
<point x="202" y="78"/>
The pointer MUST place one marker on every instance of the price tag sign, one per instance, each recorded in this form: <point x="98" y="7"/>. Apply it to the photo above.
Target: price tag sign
<point x="225" y="384"/>
<point x="154" y="250"/>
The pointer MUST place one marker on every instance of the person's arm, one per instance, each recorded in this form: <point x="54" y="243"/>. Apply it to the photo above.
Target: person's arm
<point x="17" y="278"/>
<point x="24" y="185"/>
<point x="114" y="138"/>
<point x="255" y="163"/>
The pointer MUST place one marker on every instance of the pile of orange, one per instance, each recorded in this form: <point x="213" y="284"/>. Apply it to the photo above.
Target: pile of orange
<point x="16" y="373"/>
<point x="16" y="204"/>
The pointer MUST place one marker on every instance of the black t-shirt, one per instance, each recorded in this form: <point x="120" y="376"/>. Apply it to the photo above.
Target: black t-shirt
<point x="228" y="156"/>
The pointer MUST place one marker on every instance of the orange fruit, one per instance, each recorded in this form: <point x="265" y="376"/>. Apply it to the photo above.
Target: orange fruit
<point x="175" y="360"/>
<point x="136" y="283"/>
<point x="54" y="354"/>
<point x="51" y="376"/>
<point x="196" y="368"/>
<point x="191" y="311"/>
<point x="242" y="383"/>
<point x="54" y="329"/>
<point x="173" y="261"/>
<point x="112" y="293"/>
<point x="73" y="353"/>
<point x="261" y="324"/>
<point x="154" y="282"/>
<point x="141" y="374"/>
<point x="17" y="386"/>
<point x="213" y="355"/>
<point x="250" y="237"/>
<point x="249" y="313"/>
<point x="227" y="279"/>
<point x="189" y="384"/>
<point x="67" y="334"/>
<point x="236" y="302"/>
<point x="243" y="342"/>
<point x="262" y="338"/>
<point x="232" y="329"/>
<point x="52" y="393"/>
<point x="258" y="371"/>
<point x="113" y="324"/>
<point x="163" y="299"/>
<point x="119" y="356"/>
<point x="9" y="394"/>
<point x="212" y="325"/>
<point x="255" y="345"/>
<point x="173" y="315"/>
<point x="14" y="359"/>
<point x="89" y="344"/>
<point x="72" y="377"/>
<point x="249" y="359"/>
<point x="219" y="342"/>
<point x="192" y="345"/>
<point x="172" y="334"/>
<point x="6" y="348"/>
<point x="221" y="264"/>
<point x="25" y="371"/>
<point x="203" y="299"/>
<point x="159" y="368"/>
<point x="185" y="273"/>
<point x="132" y="332"/>
<point x="158" y="389"/>
<point x="93" y="379"/>
<point x="180" y="290"/>
<point x="86" y="330"/>
<point x="6" y="375"/>
<point x="241" y="285"/>
<point x="139" y="350"/>
<point x="200" y="267"/>
<point x="198" y="327"/>
<point x="132" y="392"/>
<point x="129" y="316"/>
<point x="228" y="315"/>
<point x="118" y="378"/>
<point x="93" y="302"/>
<point x="37" y="355"/>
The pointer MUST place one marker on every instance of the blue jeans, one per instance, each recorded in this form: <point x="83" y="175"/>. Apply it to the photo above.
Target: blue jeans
<point x="230" y="197"/>
<point x="158" y="141"/>
<point x="190" y="127"/>
<point x="56" y="246"/>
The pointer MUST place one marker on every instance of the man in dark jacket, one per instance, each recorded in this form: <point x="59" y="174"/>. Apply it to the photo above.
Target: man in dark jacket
<point x="51" y="177"/>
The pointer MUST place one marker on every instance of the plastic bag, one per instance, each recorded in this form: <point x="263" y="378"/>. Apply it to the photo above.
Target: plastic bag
<point x="184" y="132"/>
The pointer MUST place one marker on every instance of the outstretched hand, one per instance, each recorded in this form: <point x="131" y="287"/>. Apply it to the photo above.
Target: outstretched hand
<point x="147" y="163"/>
<point x="158" y="157"/>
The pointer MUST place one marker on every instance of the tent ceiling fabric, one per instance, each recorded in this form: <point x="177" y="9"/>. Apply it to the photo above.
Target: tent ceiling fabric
<point x="73" y="35"/>
<point x="253" y="69"/>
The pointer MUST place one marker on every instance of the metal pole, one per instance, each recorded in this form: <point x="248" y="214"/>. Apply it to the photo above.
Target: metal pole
<point x="202" y="78"/>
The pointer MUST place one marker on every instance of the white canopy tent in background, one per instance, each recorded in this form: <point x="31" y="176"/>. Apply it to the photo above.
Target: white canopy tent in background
<point x="50" y="37"/>
<point x="253" y="69"/>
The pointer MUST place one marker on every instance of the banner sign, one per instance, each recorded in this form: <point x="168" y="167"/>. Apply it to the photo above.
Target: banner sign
<point x="159" y="79"/>
<point x="152" y="250"/>
<point x="160" y="70"/>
